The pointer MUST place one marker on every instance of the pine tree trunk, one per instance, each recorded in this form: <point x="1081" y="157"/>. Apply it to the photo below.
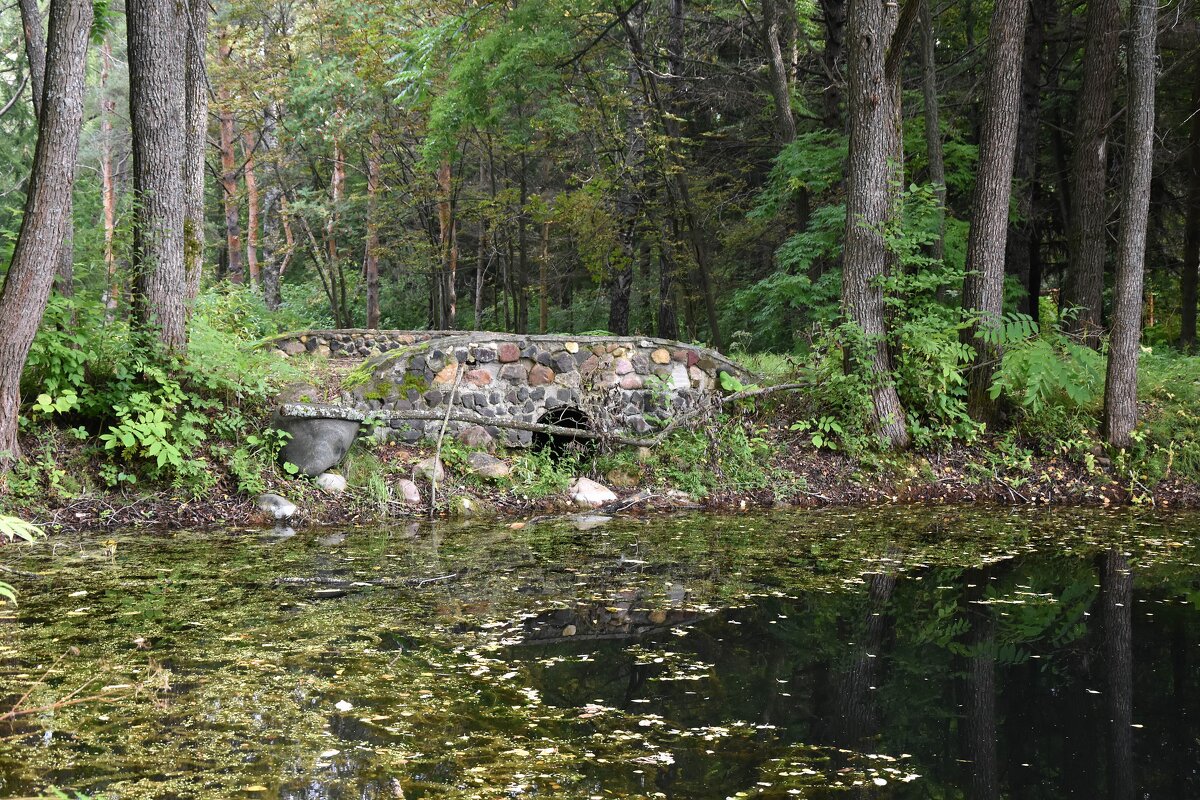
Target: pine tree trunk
<point x="869" y="203"/>
<point x="229" y="174"/>
<point x="195" y="143"/>
<point x="1191" y="242"/>
<point x="983" y="289"/>
<point x="1120" y="385"/>
<point x="371" y="258"/>
<point x="155" y="30"/>
<point x="1087" y="233"/>
<point x="46" y="220"/>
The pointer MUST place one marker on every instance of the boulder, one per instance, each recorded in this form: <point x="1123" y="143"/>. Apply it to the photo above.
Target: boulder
<point x="488" y="466"/>
<point x="409" y="491"/>
<point x="331" y="483"/>
<point x="463" y="505"/>
<point x="278" y="507"/>
<point x="293" y="348"/>
<point x="589" y="494"/>
<point x="431" y="468"/>
<point x="317" y="443"/>
<point x="476" y="436"/>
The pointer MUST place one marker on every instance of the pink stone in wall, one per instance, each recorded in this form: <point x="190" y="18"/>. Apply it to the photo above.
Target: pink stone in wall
<point x="540" y="375"/>
<point x="632" y="381"/>
<point x="693" y="358"/>
<point x="478" y="377"/>
<point x="624" y="366"/>
<point x="508" y="352"/>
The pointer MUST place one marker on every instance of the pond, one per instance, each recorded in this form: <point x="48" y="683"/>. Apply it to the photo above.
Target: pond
<point x="920" y="653"/>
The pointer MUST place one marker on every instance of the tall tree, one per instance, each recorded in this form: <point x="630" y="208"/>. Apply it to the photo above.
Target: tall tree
<point x="35" y="52"/>
<point x="1086" y="234"/>
<point x="108" y="186"/>
<point x="229" y="170"/>
<point x="869" y="203"/>
<point x="983" y="289"/>
<point x="1121" y="380"/>
<point x="155" y="34"/>
<point x="933" y="129"/>
<point x="47" y="218"/>
<point x="1191" y="246"/>
<point x="371" y="254"/>
<point x="629" y="196"/>
<point x="195" y="142"/>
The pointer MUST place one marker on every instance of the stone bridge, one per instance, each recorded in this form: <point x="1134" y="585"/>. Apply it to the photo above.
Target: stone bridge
<point x="511" y="387"/>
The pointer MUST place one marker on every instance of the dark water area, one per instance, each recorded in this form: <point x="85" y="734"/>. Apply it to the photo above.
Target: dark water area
<point x="921" y="653"/>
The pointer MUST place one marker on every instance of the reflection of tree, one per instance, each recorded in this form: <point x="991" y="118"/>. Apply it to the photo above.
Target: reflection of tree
<point x="856" y="717"/>
<point x="980" y="734"/>
<point x="1116" y="589"/>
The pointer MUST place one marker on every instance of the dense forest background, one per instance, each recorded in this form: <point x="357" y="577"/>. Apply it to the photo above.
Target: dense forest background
<point x="950" y="201"/>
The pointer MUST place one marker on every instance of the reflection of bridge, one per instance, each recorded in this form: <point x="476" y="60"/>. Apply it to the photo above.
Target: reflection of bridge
<point x="510" y="384"/>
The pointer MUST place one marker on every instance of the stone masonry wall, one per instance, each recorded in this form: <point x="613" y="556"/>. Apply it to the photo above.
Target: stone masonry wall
<point x="349" y="343"/>
<point x="627" y="385"/>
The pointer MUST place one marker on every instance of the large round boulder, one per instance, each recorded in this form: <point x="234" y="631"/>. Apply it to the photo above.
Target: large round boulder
<point x="317" y="443"/>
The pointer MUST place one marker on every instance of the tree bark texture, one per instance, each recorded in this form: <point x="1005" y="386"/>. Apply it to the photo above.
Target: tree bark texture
<point x="371" y="256"/>
<point x="1191" y="241"/>
<point x="1116" y="588"/>
<point x="249" y="145"/>
<point x="869" y="203"/>
<point x="1087" y="235"/>
<point x="35" y="52"/>
<point x="1121" y="380"/>
<point x="275" y="253"/>
<point x="229" y="174"/>
<point x="47" y="214"/>
<point x="629" y="197"/>
<point x="1019" y="251"/>
<point x="933" y="131"/>
<point x="983" y="289"/>
<point x="447" y="276"/>
<point x="108" y="187"/>
<point x="195" y="143"/>
<point x="155" y="33"/>
<point x="774" y="19"/>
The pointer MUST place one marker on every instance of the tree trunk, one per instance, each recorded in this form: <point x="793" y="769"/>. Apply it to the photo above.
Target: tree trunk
<point x="774" y="18"/>
<point x="833" y="13"/>
<point x="229" y="173"/>
<point x="629" y="196"/>
<point x="371" y="257"/>
<point x="108" y="187"/>
<point x="983" y="289"/>
<point x="35" y="52"/>
<point x="1191" y="242"/>
<point x="1116" y="589"/>
<point x="544" y="281"/>
<point x="195" y="143"/>
<point x="869" y="203"/>
<point x="47" y="213"/>
<point x="447" y="277"/>
<point x="155" y="30"/>
<point x="1120" y="385"/>
<point x="1087" y="236"/>
<point x="249" y="145"/>
<point x="275" y="257"/>
<point x="1019" y="249"/>
<point x="933" y="130"/>
<point x="337" y="188"/>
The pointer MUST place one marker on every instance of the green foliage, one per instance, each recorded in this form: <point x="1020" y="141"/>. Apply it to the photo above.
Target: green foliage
<point x="542" y="473"/>
<point x="12" y="529"/>
<point x="1043" y="367"/>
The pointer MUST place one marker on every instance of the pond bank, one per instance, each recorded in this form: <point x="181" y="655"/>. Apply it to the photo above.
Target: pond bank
<point x="794" y="477"/>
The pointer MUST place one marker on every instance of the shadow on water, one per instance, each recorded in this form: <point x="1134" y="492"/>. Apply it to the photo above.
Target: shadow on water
<point x="897" y="654"/>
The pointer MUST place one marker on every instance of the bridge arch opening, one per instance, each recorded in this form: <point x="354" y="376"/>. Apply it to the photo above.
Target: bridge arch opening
<point x="560" y="444"/>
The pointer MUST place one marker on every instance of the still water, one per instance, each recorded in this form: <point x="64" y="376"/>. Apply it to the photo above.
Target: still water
<point x="875" y="653"/>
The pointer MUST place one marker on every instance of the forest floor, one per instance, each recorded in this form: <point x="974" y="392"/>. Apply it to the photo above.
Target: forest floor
<point x="790" y="475"/>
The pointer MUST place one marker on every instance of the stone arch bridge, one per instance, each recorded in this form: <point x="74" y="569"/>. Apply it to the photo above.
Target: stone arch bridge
<point x="406" y="384"/>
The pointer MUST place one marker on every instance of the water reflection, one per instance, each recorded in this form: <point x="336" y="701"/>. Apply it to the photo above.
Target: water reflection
<point x="692" y="657"/>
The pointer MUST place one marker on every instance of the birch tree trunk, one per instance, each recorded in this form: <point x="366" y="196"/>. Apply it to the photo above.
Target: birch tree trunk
<point x="1121" y="380"/>
<point x="249" y="145"/>
<point x="47" y="219"/>
<point x="983" y="289"/>
<point x="155" y="34"/>
<point x="108" y="187"/>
